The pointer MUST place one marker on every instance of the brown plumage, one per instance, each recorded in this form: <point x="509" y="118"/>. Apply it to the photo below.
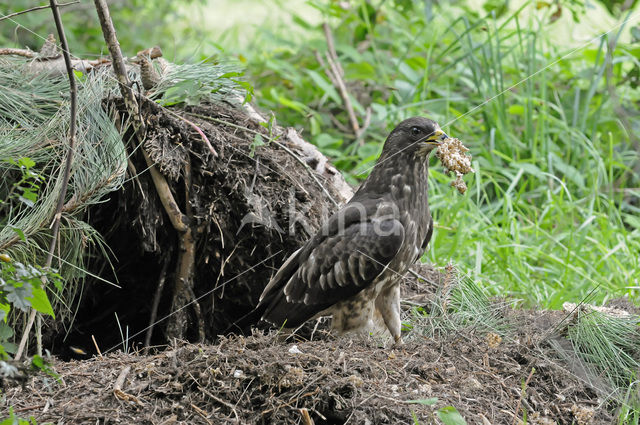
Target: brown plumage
<point x="351" y="269"/>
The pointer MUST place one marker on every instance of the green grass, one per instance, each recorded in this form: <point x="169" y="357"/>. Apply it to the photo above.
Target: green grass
<point x="551" y="212"/>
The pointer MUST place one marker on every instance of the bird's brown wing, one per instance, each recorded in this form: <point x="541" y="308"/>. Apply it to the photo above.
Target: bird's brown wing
<point x="329" y="269"/>
<point x="428" y="236"/>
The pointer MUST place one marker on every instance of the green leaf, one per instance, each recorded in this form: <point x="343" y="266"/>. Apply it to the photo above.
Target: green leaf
<point x="325" y="86"/>
<point x="38" y="362"/>
<point x="28" y="202"/>
<point x="635" y="33"/>
<point x="450" y="416"/>
<point x="6" y="332"/>
<point x="360" y="71"/>
<point x="425" y="401"/>
<point x="7" y="347"/>
<point x="187" y="91"/>
<point x="368" y="150"/>
<point x="232" y="74"/>
<point x="20" y="233"/>
<point x="5" y="308"/>
<point x="26" y="162"/>
<point x="257" y="141"/>
<point x="40" y="302"/>
<point x="19" y="295"/>
<point x="325" y="140"/>
<point x="568" y="170"/>
<point x="248" y="88"/>
<point x="293" y="104"/>
<point x="55" y="278"/>
<point x="516" y="110"/>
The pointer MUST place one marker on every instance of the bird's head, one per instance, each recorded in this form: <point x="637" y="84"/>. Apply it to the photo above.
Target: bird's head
<point x="417" y="135"/>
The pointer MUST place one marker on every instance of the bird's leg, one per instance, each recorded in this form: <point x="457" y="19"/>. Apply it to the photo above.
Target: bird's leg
<point x="353" y="315"/>
<point x="338" y="321"/>
<point x="388" y="304"/>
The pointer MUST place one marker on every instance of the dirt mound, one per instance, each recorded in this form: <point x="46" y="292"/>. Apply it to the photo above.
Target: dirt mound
<point x="252" y="197"/>
<point x="262" y="380"/>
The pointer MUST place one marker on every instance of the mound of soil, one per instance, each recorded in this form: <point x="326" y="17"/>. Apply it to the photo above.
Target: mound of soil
<point x="249" y="201"/>
<point x="261" y="379"/>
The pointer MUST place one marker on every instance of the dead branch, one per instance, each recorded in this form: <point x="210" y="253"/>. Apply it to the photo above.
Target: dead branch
<point x="219" y="400"/>
<point x="18" y="52"/>
<point x="156" y="303"/>
<point x="95" y="344"/>
<point x="117" y="388"/>
<point x="190" y="252"/>
<point x="154" y="52"/>
<point x="57" y="66"/>
<point x="180" y="222"/>
<point x="202" y="413"/>
<point x="197" y="129"/>
<point x="121" y="378"/>
<point x="183" y="286"/>
<point x="522" y="394"/>
<point x="119" y="68"/>
<point x="336" y="74"/>
<point x="73" y="91"/>
<point x="306" y="418"/>
<point x="22" y="12"/>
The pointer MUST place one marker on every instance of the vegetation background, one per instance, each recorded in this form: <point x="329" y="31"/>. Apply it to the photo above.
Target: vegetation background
<point x="544" y="93"/>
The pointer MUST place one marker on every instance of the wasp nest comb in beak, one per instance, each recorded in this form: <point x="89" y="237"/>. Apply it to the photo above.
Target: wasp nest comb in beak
<point x="454" y="157"/>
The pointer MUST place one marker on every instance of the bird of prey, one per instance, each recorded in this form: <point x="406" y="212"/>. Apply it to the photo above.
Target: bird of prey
<point x="351" y="269"/>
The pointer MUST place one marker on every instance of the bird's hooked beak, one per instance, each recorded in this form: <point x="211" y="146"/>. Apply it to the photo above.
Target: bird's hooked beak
<point x="437" y="137"/>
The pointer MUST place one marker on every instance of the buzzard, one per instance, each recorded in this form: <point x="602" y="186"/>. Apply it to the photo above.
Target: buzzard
<point x="351" y="268"/>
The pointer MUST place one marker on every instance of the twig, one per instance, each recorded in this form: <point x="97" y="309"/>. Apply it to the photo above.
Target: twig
<point x="18" y="52"/>
<point x="117" y="388"/>
<point x="310" y="171"/>
<point x="196" y="128"/>
<point x="286" y="149"/>
<point x="95" y="344"/>
<point x="522" y="394"/>
<point x="156" y="303"/>
<point x="22" y="12"/>
<point x="202" y="413"/>
<point x="180" y="222"/>
<point x="121" y="378"/>
<point x="219" y="400"/>
<point x="365" y="124"/>
<point x="306" y="419"/>
<point x="419" y="276"/>
<point x="73" y="91"/>
<point x="336" y="74"/>
<point x="198" y="312"/>
<point x="119" y="68"/>
<point x="331" y="47"/>
<point x="26" y="408"/>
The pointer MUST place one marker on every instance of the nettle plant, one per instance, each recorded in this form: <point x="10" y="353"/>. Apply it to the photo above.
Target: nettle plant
<point x="22" y="288"/>
<point x="21" y="285"/>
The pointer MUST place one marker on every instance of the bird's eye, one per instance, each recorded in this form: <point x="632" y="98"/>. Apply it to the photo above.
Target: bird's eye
<point x="416" y="131"/>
